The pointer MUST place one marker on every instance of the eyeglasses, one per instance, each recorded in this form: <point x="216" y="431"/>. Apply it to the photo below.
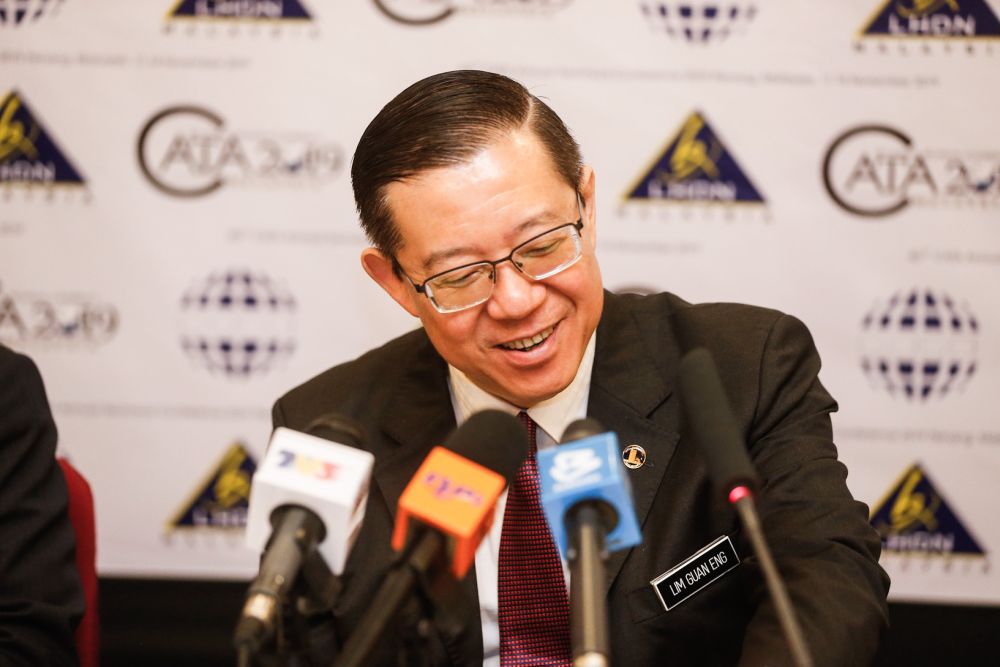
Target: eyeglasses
<point x="539" y="257"/>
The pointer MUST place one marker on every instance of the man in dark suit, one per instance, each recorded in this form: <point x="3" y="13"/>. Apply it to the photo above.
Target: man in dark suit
<point x="465" y="167"/>
<point x="41" y="599"/>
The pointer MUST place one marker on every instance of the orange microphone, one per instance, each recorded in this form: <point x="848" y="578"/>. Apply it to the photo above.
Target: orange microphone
<point x="454" y="496"/>
<point x="442" y="516"/>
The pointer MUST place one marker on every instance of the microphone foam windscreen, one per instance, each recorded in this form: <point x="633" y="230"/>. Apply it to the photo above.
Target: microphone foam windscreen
<point x="494" y="440"/>
<point x="711" y="423"/>
<point x="337" y="428"/>
<point x="580" y="429"/>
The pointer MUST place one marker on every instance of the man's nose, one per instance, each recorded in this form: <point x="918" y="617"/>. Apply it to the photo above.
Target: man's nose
<point x="515" y="295"/>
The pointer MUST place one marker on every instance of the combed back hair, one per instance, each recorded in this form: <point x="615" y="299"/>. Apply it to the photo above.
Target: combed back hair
<point x="444" y="121"/>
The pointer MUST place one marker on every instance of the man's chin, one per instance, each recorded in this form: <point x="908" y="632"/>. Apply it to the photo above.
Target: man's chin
<point x="529" y="394"/>
<point x="527" y="386"/>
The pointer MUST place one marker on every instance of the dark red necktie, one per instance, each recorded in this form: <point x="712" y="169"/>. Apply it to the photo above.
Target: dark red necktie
<point x="534" y="607"/>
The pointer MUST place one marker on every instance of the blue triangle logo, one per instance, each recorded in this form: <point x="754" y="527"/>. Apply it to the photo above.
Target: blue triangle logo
<point x="28" y="154"/>
<point x="914" y="518"/>
<point x="222" y="499"/>
<point x="267" y="10"/>
<point x="695" y="167"/>
<point x="956" y="19"/>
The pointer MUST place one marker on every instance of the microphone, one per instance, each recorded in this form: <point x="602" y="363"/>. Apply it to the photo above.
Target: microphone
<point x="307" y="501"/>
<point x="713" y="426"/>
<point x="587" y="501"/>
<point x="442" y="516"/>
<point x="455" y="490"/>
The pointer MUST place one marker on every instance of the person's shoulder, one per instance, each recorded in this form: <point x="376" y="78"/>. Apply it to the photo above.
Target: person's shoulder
<point x="15" y="364"/>
<point x="730" y="319"/>
<point x="749" y="344"/>
<point x="734" y="332"/>
<point x="347" y="385"/>
<point x="723" y="318"/>
<point x="20" y="379"/>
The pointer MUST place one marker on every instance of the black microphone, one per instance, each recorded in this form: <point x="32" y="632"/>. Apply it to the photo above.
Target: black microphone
<point x="588" y="503"/>
<point x="587" y="525"/>
<point x="437" y="530"/>
<point x="712" y="425"/>
<point x="307" y="500"/>
<point x="580" y="429"/>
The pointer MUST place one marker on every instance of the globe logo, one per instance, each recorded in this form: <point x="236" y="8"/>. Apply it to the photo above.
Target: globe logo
<point x="920" y="344"/>
<point x="698" y="22"/>
<point x="237" y="323"/>
<point x="18" y="12"/>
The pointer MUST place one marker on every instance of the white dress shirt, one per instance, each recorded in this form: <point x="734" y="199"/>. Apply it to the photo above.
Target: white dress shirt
<point x="552" y="417"/>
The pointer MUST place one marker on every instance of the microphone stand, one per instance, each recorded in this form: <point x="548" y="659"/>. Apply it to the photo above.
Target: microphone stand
<point x="713" y="425"/>
<point x="586" y="554"/>
<point x="742" y="499"/>
<point x="399" y="584"/>
<point x="300" y="631"/>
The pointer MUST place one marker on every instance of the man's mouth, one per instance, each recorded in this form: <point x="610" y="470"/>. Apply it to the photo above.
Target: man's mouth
<point x="525" y="344"/>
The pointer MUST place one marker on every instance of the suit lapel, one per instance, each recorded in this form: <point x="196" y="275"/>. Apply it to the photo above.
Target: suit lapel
<point x="629" y="383"/>
<point x="420" y="418"/>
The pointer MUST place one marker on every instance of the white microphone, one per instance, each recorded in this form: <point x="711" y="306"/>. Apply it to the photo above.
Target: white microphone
<point x="308" y="498"/>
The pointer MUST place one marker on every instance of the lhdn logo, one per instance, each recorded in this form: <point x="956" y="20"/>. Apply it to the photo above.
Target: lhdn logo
<point x="15" y="138"/>
<point x="692" y="155"/>
<point x="914" y="518"/>
<point x="955" y="19"/>
<point x="28" y="154"/>
<point x="913" y="508"/>
<point x="695" y="166"/>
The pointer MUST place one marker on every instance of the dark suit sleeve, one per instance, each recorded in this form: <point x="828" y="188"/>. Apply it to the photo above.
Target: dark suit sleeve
<point x="277" y="415"/>
<point x="822" y="542"/>
<point x="41" y="599"/>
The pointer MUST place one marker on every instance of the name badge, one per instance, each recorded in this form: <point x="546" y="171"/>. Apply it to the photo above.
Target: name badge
<point x="696" y="573"/>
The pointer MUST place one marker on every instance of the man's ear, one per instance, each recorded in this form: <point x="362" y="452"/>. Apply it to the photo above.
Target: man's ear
<point x="588" y="192"/>
<point x="379" y="267"/>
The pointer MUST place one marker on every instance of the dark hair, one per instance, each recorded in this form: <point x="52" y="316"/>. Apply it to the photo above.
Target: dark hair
<point x="443" y="121"/>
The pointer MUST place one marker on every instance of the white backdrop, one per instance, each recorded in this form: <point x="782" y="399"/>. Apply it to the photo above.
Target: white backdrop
<point x="149" y="150"/>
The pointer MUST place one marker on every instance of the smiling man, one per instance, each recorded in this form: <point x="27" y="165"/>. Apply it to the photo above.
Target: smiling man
<point x="483" y="225"/>
<point x="523" y="343"/>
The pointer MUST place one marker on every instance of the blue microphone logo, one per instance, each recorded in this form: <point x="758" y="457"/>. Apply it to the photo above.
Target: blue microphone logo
<point x="574" y="468"/>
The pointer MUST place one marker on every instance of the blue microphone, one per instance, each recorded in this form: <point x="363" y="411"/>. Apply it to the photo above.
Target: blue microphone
<point x="587" y="470"/>
<point x="587" y="501"/>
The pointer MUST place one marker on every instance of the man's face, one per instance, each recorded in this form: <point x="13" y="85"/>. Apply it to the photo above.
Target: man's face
<point x="480" y="210"/>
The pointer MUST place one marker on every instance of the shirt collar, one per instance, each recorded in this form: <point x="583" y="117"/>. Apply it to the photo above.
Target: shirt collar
<point x="552" y="415"/>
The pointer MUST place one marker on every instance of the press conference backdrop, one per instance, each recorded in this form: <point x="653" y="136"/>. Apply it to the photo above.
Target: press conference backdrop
<point x="178" y="242"/>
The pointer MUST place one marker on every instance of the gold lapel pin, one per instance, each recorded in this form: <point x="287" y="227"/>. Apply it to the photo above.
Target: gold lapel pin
<point x="633" y="456"/>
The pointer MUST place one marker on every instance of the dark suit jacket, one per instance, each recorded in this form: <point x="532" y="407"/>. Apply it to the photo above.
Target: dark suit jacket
<point x="820" y="536"/>
<point x="41" y="599"/>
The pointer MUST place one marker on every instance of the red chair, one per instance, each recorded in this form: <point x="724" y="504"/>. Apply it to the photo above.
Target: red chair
<point x="81" y="515"/>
